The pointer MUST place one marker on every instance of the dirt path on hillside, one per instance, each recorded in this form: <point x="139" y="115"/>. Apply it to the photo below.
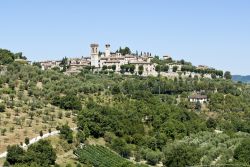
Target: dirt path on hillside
<point x="36" y="139"/>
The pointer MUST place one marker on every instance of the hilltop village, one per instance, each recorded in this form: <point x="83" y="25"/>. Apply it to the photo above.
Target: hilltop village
<point x="128" y="63"/>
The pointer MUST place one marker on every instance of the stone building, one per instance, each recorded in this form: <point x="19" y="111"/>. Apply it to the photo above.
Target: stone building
<point x="198" y="98"/>
<point x="75" y="65"/>
<point x="115" y="60"/>
<point x="49" y="64"/>
<point x="94" y="55"/>
<point x="109" y="59"/>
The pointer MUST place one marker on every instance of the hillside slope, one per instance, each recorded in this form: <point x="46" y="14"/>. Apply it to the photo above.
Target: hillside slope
<point x="147" y="119"/>
<point x="241" y="78"/>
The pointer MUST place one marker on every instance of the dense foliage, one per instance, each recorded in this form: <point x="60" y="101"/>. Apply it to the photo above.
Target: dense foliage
<point x="242" y="152"/>
<point x="7" y="57"/>
<point x="124" y="51"/>
<point x="66" y="133"/>
<point x="40" y="153"/>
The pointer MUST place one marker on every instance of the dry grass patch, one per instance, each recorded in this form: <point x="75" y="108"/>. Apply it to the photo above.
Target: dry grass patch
<point x="64" y="151"/>
<point x="98" y="141"/>
<point x="18" y="126"/>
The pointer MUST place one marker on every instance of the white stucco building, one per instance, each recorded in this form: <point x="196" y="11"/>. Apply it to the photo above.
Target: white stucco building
<point x="198" y="98"/>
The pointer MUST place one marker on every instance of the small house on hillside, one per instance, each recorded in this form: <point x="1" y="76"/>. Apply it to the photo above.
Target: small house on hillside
<point x="198" y="98"/>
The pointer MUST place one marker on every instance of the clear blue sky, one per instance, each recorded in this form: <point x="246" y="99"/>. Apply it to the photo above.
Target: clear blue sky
<point x="210" y="32"/>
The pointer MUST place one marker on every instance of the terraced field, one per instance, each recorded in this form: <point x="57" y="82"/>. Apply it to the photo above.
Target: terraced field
<point x="100" y="156"/>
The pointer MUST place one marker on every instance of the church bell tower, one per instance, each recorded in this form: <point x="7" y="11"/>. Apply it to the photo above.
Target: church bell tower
<point x="94" y="55"/>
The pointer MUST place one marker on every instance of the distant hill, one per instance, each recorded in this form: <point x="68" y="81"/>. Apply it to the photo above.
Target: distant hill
<point x="241" y="78"/>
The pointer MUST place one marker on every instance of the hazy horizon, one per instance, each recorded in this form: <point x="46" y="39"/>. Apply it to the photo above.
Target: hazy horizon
<point x="213" y="33"/>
